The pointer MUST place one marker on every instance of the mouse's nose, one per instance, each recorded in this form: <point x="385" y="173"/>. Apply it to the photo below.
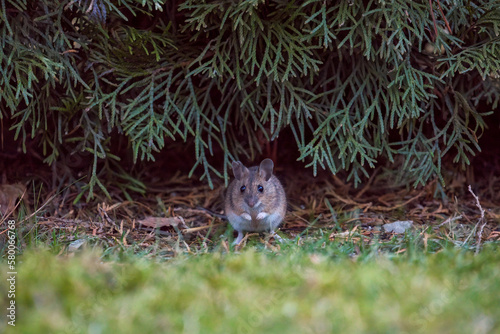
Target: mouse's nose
<point x="251" y="202"/>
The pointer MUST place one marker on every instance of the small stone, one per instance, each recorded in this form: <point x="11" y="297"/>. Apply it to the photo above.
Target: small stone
<point x="73" y="247"/>
<point x="399" y="226"/>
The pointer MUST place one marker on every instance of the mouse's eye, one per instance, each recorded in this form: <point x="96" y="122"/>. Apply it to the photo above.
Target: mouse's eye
<point x="260" y="188"/>
<point x="242" y="189"/>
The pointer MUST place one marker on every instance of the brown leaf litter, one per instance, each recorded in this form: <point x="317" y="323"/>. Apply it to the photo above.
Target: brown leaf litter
<point x="169" y="215"/>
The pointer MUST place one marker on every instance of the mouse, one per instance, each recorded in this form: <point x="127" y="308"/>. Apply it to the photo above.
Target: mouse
<point x="255" y="200"/>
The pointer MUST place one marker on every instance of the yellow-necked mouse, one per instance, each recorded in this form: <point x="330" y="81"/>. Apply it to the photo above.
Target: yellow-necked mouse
<point x="255" y="199"/>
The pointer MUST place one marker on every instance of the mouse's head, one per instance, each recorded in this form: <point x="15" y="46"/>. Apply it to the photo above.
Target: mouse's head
<point x="253" y="186"/>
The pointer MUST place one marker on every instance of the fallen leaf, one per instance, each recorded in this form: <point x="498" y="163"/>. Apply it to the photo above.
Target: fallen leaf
<point x="157" y="222"/>
<point x="9" y="194"/>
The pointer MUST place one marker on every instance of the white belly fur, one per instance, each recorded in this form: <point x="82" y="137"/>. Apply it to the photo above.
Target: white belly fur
<point x="268" y="223"/>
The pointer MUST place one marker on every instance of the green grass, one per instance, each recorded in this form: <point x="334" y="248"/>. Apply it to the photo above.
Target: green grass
<point x="312" y="288"/>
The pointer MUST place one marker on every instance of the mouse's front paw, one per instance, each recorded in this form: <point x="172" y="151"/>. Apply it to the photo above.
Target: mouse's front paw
<point x="262" y="215"/>
<point x="246" y="216"/>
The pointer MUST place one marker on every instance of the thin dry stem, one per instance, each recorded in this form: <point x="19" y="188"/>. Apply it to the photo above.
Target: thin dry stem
<point x="481" y="220"/>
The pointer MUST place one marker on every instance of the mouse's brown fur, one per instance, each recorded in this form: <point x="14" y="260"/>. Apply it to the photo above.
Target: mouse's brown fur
<point x="255" y="199"/>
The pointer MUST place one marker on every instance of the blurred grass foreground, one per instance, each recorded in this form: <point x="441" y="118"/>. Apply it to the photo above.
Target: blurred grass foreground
<point x="258" y="292"/>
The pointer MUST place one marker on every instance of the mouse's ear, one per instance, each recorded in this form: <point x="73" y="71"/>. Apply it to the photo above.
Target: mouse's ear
<point x="266" y="169"/>
<point x="239" y="170"/>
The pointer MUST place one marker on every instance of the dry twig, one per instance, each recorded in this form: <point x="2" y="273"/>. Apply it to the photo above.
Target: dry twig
<point x="481" y="219"/>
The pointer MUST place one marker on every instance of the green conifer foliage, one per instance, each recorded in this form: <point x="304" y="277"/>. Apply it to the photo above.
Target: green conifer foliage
<point x="355" y="81"/>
